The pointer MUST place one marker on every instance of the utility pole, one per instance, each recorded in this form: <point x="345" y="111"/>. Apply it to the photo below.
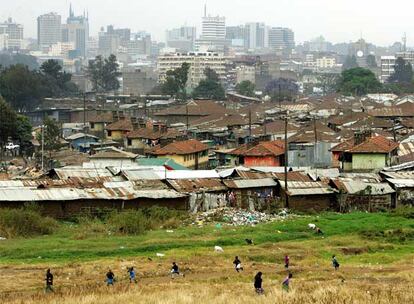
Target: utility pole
<point x="250" y="123"/>
<point x="286" y="164"/>
<point x="43" y="144"/>
<point x="84" y="121"/>
<point x="187" y="120"/>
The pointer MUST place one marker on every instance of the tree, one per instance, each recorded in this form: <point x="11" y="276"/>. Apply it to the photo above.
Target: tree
<point x="7" y="123"/>
<point x="7" y="60"/>
<point x="358" y="81"/>
<point x="23" y="133"/>
<point x="21" y="87"/>
<point x="282" y="89"/>
<point x="104" y="73"/>
<point x="371" y="61"/>
<point x="209" y="87"/>
<point x="56" y="80"/>
<point x="403" y="72"/>
<point x="350" y="63"/>
<point x="245" y="88"/>
<point x="328" y="82"/>
<point x="176" y="82"/>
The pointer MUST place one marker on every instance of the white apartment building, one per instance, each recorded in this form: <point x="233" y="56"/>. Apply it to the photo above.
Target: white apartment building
<point x="387" y="67"/>
<point x="213" y="34"/>
<point x="198" y="63"/>
<point x="325" y="62"/>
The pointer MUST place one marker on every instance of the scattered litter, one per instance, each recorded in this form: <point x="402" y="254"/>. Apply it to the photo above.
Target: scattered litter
<point x="249" y="241"/>
<point x="218" y="249"/>
<point x="39" y="257"/>
<point x="278" y="231"/>
<point x="218" y="225"/>
<point x="2" y="238"/>
<point x="160" y="254"/>
<point x="121" y="247"/>
<point x="169" y="231"/>
<point x="237" y="217"/>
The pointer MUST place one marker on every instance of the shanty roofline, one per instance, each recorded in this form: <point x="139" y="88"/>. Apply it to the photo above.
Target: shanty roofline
<point x="250" y="183"/>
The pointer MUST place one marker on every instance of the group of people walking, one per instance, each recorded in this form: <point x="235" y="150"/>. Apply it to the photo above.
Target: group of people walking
<point x="175" y="271"/>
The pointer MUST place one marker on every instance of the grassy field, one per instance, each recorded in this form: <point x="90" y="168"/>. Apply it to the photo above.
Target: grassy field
<point x="376" y="252"/>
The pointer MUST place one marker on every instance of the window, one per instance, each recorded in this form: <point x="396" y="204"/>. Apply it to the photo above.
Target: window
<point x="92" y="125"/>
<point x="109" y="133"/>
<point x="129" y="140"/>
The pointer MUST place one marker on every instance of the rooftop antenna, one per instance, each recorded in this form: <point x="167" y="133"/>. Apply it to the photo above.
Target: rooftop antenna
<point x="70" y="10"/>
<point x="404" y="40"/>
<point x="205" y="9"/>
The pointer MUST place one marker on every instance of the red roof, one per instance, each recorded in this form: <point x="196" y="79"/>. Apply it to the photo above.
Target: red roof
<point x="120" y="125"/>
<point x="344" y="146"/>
<point x="376" y="144"/>
<point x="266" y="148"/>
<point x="181" y="148"/>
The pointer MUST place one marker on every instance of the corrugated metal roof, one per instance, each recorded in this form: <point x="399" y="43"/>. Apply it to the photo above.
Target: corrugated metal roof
<point x="192" y="174"/>
<point x="279" y="169"/>
<point x="250" y="183"/>
<point x="68" y="172"/>
<point x="401" y="183"/>
<point x="355" y="187"/>
<point x="197" y="185"/>
<point x="400" y="175"/>
<point x="306" y="188"/>
<point x="133" y="175"/>
<point x="71" y="194"/>
<point x="400" y="167"/>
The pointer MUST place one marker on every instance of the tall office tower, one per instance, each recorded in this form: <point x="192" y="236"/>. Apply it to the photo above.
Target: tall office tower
<point x="12" y="34"/>
<point x="256" y="35"/>
<point x="236" y="35"/>
<point x="281" y="39"/>
<point x="182" y="38"/>
<point x="213" y="33"/>
<point x="48" y="29"/>
<point x="76" y="30"/>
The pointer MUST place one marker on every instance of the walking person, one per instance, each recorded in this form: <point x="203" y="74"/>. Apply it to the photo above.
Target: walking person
<point x="175" y="271"/>
<point x="285" y="283"/>
<point x="49" y="281"/>
<point x="110" y="278"/>
<point x="335" y="263"/>
<point x="131" y="273"/>
<point x="258" y="283"/>
<point x="237" y="264"/>
<point x="286" y="261"/>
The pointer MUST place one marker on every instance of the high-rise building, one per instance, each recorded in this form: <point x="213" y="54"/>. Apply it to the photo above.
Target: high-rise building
<point x="213" y="33"/>
<point x="13" y="34"/>
<point x="236" y="35"/>
<point x="109" y="42"/>
<point x="256" y="35"/>
<point x="49" y="29"/>
<point x="387" y="67"/>
<point x="76" y="30"/>
<point x="281" y="38"/>
<point x="182" y="38"/>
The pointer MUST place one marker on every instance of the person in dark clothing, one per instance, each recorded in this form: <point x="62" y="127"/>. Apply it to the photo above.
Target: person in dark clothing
<point x="286" y="261"/>
<point x="319" y="231"/>
<point x="110" y="278"/>
<point x="258" y="283"/>
<point x="175" y="271"/>
<point x="237" y="264"/>
<point x="285" y="283"/>
<point x="49" y="281"/>
<point x="131" y="273"/>
<point x="335" y="263"/>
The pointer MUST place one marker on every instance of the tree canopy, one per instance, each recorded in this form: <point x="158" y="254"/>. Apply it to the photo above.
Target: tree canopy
<point x="7" y="60"/>
<point x="210" y="87"/>
<point x="104" y="73"/>
<point x="358" y="81"/>
<point x="246" y="88"/>
<point x="176" y="82"/>
<point x="57" y="81"/>
<point x="403" y="72"/>
<point x="8" y="122"/>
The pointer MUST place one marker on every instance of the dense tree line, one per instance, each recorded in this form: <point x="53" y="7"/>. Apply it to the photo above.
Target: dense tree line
<point x="104" y="73"/>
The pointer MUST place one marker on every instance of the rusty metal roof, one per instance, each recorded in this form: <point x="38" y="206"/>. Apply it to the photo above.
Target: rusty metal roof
<point x="250" y="183"/>
<point x="296" y="188"/>
<point x="197" y="185"/>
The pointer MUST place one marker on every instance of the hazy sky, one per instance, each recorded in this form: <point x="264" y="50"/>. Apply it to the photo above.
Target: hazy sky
<point x="337" y="20"/>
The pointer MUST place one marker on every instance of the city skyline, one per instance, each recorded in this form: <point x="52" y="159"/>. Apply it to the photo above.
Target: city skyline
<point x="328" y="19"/>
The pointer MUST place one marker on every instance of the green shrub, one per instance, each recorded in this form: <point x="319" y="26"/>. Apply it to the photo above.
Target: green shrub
<point x="25" y="222"/>
<point x="404" y="211"/>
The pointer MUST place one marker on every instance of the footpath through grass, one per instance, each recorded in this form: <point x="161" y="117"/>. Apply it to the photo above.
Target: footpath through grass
<point x="362" y="237"/>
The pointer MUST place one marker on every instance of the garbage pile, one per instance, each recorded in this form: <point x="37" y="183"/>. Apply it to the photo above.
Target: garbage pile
<point x="238" y="217"/>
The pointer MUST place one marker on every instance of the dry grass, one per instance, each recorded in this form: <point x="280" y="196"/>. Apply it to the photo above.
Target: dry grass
<point x="218" y="283"/>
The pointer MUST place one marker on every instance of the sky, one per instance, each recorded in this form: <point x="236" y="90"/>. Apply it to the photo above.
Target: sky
<point x="336" y="20"/>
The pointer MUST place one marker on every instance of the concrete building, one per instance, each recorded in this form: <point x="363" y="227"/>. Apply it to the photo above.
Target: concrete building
<point x="138" y="81"/>
<point x="245" y="73"/>
<point x="198" y="63"/>
<point x="13" y="35"/>
<point x="213" y="34"/>
<point x="325" y="62"/>
<point x="281" y="38"/>
<point x="235" y="35"/>
<point x="387" y="67"/>
<point x="76" y="30"/>
<point x="49" y="29"/>
<point x="182" y="39"/>
<point x="256" y="36"/>
<point x="108" y="42"/>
